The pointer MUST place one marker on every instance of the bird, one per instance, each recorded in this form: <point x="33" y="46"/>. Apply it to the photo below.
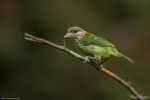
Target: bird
<point x="94" y="47"/>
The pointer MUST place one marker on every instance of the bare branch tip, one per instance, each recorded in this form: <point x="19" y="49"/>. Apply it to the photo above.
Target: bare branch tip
<point x="25" y="38"/>
<point x="29" y="39"/>
<point x="25" y="34"/>
<point x="129" y="83"/>
<point x="64" y="44"/>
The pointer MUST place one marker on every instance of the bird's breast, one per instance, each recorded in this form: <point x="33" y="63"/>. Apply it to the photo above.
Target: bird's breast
<point x="84" y="49"/>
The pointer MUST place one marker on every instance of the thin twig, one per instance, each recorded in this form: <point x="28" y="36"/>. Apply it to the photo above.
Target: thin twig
<point x="107" y="72"/>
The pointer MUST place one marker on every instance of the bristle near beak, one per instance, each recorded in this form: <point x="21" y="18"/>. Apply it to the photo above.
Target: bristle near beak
<point x="68" y="35"/>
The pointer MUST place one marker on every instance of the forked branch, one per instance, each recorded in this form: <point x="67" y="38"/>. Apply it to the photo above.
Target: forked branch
<point x="99" y="68"/>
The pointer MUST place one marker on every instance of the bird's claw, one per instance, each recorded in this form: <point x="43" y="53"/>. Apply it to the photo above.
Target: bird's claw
<point x="86" y="59"/>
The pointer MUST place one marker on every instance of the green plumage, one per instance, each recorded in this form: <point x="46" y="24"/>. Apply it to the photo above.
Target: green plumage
<point x="99" y="48"/>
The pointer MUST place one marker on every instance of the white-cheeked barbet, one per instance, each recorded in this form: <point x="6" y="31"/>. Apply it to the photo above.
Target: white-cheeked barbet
<point x="93" y="46"/>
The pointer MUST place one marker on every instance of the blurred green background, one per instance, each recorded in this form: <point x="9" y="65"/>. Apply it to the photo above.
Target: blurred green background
<point x="30" y="70"/>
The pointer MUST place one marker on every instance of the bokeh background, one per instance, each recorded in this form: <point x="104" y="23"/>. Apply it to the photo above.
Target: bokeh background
<point x="30" y="70"/>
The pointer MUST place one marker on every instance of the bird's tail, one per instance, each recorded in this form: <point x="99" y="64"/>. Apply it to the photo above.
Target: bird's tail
<point x="127" y="58"/>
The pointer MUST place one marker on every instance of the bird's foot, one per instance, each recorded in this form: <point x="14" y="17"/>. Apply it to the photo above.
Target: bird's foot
<point x="87" y="59"/>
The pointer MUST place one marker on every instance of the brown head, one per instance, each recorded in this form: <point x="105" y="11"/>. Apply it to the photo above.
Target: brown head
<point x="75" y="33"/>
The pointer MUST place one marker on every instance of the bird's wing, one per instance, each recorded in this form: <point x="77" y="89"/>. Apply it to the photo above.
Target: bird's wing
<point x="91" y="39"/>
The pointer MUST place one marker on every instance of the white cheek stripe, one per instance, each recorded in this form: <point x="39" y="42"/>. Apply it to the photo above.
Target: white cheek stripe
<point x="78" y="33"/>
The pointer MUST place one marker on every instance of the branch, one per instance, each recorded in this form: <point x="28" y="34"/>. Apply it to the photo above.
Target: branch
<point x="101" y="68"/>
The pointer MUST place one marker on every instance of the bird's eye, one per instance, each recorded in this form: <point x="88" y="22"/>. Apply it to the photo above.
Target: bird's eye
<point x="75" y="31"/>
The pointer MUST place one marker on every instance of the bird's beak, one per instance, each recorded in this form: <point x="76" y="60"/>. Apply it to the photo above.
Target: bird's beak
<point x="68" y="35"/>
